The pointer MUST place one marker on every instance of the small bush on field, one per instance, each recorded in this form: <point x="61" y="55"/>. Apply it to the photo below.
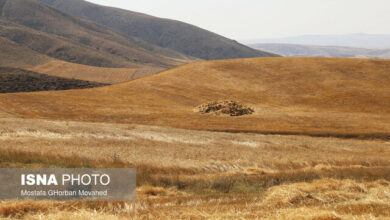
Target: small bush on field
<point x="231" y="108"/>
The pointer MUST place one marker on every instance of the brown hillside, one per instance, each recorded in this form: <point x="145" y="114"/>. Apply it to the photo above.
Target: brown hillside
<point x="49" y="31"/>
<point x="17" y="56"/>
<point x="92" y="73"/>
<point x="14" y="55"/>
<point x="175" y="35"/>
<point x="316" y="96"/>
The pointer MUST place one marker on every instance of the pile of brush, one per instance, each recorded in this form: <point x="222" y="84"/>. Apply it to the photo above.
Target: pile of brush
<point x="231" y="108"/>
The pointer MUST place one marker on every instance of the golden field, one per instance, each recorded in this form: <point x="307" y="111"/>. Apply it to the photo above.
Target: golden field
<point x="317" y="146"/>
<point x="311" y="96"/>
<point x="203" y="174"/>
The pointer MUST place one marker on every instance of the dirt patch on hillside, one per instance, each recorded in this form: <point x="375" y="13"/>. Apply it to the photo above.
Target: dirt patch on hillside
<point x="232" y="108"/>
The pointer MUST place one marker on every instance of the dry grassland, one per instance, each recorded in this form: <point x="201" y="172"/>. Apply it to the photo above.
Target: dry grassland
<point x="92" y="73"/>
<point x="316" y="147"/>
<point x="203" y="174"/>
<point x="311" y="96"/>
<point x="322" y="199"/>
<point x="204" y="151"/>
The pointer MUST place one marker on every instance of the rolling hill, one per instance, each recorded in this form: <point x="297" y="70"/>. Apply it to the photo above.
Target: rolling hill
<point x="269" y="138"/>
<point x="17" y="56"/>
<point x="312" y="96"/>
<point x="328" y="156"/>
<point x="178" y="36"/>
<point x="18" y="80"/>
<point x="27" y="55"/>
<point x="14" y="55"/>
<point x="56" y="34"/>
<point x="295" y="50"/>
<point x="43" y="39"/>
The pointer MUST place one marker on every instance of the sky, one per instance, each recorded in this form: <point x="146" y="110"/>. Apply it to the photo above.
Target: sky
<point x="259" y="19"/>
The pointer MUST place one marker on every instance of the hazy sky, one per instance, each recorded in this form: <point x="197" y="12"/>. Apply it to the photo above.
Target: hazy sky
<point x="252" y="19"/>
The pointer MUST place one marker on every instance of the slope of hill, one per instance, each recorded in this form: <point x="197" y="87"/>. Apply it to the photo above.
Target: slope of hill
<point x="358" y="40"/>
<point x="295" y="50"/>
<point x="19" y="80"/>
<point x="175" y="35"/>
<point x="313" y="96"/>
<point x="92" y="73"/>
<point x="14" y="55"/>
<point x="49" y="31"/>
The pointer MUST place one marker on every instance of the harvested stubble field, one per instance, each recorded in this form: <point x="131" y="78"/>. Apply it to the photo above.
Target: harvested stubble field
<point x="203" y="174"/>
<point x="199" y="166"/>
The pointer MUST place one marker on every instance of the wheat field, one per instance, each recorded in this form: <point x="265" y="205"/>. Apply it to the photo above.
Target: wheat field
<point x="202" y="174"/>
<point x="316" y="147"/>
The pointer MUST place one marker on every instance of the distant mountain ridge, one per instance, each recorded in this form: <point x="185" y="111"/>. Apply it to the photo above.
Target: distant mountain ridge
<point x="359" y="40"/>
<point x="295" y="50"/>
<point x="175" y="35"/>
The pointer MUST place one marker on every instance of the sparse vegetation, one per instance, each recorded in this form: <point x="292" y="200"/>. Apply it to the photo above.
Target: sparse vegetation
<point x="231" y="108"/>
